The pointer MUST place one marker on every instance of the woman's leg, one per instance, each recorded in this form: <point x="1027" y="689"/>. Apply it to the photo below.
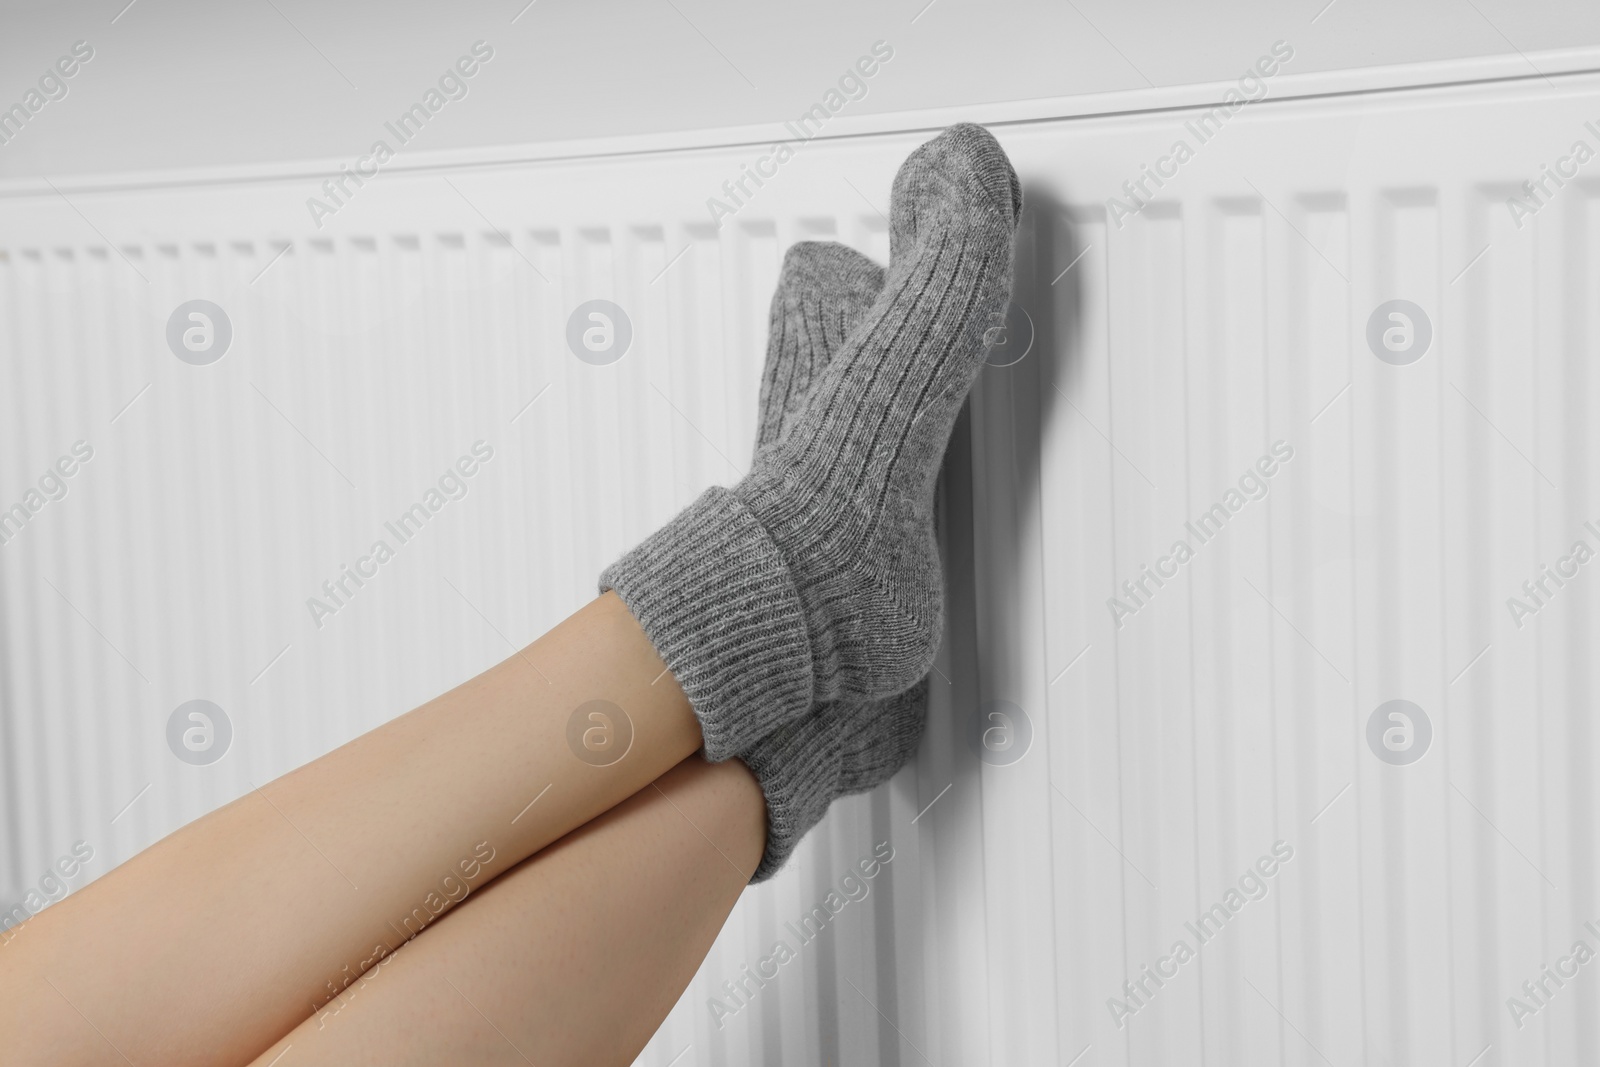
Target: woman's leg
<point x="575" y="957"/>
<point x="218" y="940"/>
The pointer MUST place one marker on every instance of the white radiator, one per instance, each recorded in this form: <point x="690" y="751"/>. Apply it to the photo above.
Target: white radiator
<point x="1163" y="745"/>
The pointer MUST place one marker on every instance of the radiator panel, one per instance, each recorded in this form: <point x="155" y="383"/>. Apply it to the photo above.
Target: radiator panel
<point x="1170" y="351"/>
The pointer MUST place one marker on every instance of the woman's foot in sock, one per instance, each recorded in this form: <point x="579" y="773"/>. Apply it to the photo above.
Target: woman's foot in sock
<point x="824" y="290"/>
<point x="847" y="495"/>
<point x="846" y="746"/>
<point x="817" y="576"/>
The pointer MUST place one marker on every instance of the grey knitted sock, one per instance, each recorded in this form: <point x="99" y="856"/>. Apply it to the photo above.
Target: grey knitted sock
<point x="848" y="746"/>
<point x="844" y="747"/>
<point x="817" y="576"/>
<point x="824" y="290"/>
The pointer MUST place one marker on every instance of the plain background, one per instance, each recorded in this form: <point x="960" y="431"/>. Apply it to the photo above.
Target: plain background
<point x="265" y="81"/>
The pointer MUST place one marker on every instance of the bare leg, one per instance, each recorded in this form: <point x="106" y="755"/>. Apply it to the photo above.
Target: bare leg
<point x="576" y="956"/>
<point x="221" y="938"/>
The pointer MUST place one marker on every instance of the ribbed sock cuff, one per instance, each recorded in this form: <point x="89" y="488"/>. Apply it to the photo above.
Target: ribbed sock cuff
<point x="798" y="768"/>
<point x="715" y="597"/>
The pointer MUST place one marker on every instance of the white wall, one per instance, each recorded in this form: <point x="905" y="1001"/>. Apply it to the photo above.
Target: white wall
<point x="177" y="85"/>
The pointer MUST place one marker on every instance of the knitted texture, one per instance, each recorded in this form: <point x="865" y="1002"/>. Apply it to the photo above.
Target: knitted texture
<point x="847" y="746"/>
<point x="714" y="596"/>
<point x="824" y="290"/>
<point x="848" y="567"/>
